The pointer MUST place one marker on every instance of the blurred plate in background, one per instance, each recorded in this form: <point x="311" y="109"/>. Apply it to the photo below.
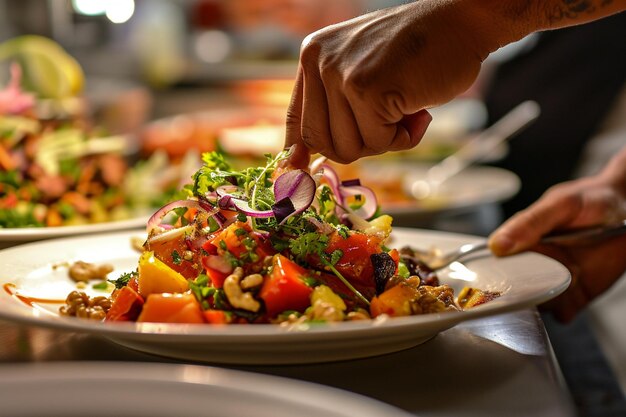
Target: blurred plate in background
<point x="164" y="390"/>
<point x="391" y="180"/>
<point x="239" y="131"/>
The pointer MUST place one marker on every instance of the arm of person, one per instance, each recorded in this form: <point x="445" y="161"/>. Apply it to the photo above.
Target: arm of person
<point x="363" y="85"/>
<point x="591" y="201"/>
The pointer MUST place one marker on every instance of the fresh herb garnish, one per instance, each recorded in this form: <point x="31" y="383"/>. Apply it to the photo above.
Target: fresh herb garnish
<point x="335" y="256"/>
<point x="123" y="280"/>
<point x="103" y="286"/>
<point x="315" y="244"/>
<point x="176" y="258"/>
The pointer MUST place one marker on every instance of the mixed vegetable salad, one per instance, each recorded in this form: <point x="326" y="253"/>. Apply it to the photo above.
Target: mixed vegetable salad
<point x="271" y="244"/>
<point x="56" y="167"/>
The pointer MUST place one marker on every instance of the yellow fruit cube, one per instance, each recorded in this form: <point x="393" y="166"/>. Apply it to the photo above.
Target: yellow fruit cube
<point x="155" y="277"/>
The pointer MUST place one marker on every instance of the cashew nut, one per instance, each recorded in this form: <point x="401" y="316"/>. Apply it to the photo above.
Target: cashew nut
<point x="251" y="281"/>
<point x="236" y="297"/>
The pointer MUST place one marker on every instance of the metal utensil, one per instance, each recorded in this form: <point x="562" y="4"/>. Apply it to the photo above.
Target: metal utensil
<point x="437" y="262"/>
<point x="475" y="150"/>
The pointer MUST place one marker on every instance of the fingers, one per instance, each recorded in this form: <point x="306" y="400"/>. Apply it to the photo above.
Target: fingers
<point x="322" y="119"/>
<point x="314" y="127"/>
<point x="347" y="144"/>
<point x="581" y="203"/>
<point x="525" y="229"/>
<point x="293" y="134"/>
<point x="382" y="120"/>
<point x="416" y="125"/>
<point x="299" y="158"/>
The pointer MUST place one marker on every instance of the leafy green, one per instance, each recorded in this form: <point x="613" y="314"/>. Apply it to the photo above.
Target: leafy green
<point x="308" y="244"/>
<point x="176" y="258"/>
<point x="11" y="178"/>
<point x="19" y="217"/>
<point x="335" y="256"/>
<point x="403" y="271"/>
<point x="103" y="286"/>
<point x="123" y="280"/>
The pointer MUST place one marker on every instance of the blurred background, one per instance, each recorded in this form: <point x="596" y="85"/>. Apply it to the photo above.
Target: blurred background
<point x="217" y="74"/>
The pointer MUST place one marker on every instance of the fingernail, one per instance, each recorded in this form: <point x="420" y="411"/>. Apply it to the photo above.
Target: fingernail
<point x="501" y="245"/>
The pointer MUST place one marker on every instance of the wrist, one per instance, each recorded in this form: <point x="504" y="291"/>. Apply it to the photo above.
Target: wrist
<point x="496" y="23"/>
<point x="493" y="24"/>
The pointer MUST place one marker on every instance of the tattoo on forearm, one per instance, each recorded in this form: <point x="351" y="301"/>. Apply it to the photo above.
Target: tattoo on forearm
<point x="572" y="9"/>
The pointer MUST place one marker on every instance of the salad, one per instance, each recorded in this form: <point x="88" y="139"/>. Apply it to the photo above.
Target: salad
<point x="56" y="167"/>
<point x="271" y="244"/>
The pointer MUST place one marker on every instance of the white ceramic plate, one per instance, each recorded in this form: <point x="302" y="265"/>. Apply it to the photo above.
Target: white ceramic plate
<point x="524" y="280"/>
<point x="160" y="390"/>
<point x="16" y="235"/>
<point x="473" y="187"/>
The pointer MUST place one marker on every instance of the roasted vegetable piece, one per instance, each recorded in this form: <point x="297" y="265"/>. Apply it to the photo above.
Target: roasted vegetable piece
<point x="171" y="308"/>
<point x="154" y="276"/>
<point x="472" y="297"/>
<point x="416" y="266"/>
<point x="127" y="304"/>
<point x="285" y="288"/>
<point x="176" y="254"/>
<point x="384" y="268"/>
<point x="409" y="298"/>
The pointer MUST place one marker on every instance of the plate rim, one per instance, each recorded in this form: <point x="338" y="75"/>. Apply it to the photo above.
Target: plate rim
<point x="26" y="234"/>
<point x="159" y="331"/>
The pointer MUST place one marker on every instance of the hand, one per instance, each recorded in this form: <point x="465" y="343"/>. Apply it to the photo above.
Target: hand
<point x="362" y="85"/>
<point x="582" y="203"/>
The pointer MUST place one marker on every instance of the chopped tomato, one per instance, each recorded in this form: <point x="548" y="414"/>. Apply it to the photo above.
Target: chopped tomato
<point x="238" y="241"/>
<point x="171" y="308"/>
<point x="172" y="253"/>
<point x="127" y="304"/>
<point x="217" y="276"/>
<point x="285" y="288"/>
<point x="355" y="264"/>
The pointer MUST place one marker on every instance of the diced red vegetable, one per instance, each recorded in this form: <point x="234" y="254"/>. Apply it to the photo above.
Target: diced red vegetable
<point x="127" y="304"/>
<point x="285" y="288"/>
<point x="172" y="253"/>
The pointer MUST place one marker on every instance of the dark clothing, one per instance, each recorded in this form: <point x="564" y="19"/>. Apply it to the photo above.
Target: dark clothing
<point x="575" y="74"/>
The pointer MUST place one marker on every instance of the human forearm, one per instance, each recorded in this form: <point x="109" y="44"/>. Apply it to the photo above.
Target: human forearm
<point x="500" y="22"/>
<point x="363" y="85"/>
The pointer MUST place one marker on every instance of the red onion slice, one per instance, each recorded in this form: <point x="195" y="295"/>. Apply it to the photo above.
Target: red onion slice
<point x="297" y="187"/>
<point x="331" y="178"/>
<point x="156" y="218"/>
<point x="219" y="263"/>
<point x="316" y="165"/>
<point x="224" y="190"/>
<point x="171" y="234"/>
<point x="245" y="208"/>
<point x="368" y="209"/>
